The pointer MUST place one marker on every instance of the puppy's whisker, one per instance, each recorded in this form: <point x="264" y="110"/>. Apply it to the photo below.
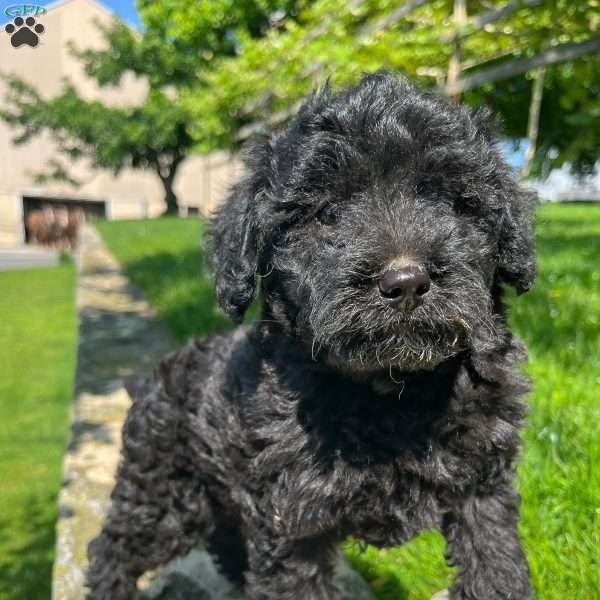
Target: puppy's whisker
<point x="392" y="376"/>
<point x="401" y="390"/>
<point x="315" y="349"/>
<point x="379" y="361"/>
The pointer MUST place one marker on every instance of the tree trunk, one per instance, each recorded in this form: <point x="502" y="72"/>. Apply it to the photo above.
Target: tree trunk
<point x="454" y="67"/>
<point x="552" y="56"/>
<point x="534" y="120"/>
<point x="170" y="200"/>
<point x="168" y="180"/>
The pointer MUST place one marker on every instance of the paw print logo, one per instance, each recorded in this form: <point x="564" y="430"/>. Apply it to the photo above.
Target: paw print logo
<point x="24" y="32"/>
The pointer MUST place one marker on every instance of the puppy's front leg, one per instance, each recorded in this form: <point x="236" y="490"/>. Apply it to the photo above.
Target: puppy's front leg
<point x="290" y="570"/>
<point x="483" y="543"/>
<point x="159" y="505"/>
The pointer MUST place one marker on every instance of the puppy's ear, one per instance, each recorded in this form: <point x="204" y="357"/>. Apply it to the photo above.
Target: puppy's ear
<point x="235" y="237"/>
<point x="516" y="244"/>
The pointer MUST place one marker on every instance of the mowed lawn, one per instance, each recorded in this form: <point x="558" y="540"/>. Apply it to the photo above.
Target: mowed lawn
<point x="560" y="468"/>
<point x="37" y="361"/>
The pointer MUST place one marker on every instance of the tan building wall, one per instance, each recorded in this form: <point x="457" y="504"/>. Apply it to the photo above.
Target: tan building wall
<point x="201" y="181"/>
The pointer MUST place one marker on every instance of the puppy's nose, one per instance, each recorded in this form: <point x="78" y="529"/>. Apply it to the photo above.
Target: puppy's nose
<point x="404" y="286"/>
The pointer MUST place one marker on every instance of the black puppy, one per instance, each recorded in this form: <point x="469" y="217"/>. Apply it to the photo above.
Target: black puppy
<point x="377" y="395"/>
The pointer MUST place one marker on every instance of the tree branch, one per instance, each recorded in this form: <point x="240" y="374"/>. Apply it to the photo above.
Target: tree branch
<point x="309" y="36"/>
<point x="388" y="20"/>
<point x="401" y="12"/>
<point x="558" y="54"/>
<point x="247" y="131"/>
<point x="479" y="22"/>
<point x="533" y="124"/>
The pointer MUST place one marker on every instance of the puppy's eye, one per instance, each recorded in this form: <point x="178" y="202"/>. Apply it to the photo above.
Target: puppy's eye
<point x="328" y="215"/>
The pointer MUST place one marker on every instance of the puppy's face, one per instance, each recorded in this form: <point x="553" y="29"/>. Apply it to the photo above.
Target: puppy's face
<point x="384" y="276"/>
<point x="382" y="222"/>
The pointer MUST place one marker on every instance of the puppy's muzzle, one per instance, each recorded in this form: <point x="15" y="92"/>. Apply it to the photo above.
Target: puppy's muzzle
<point x="404" y="286"/>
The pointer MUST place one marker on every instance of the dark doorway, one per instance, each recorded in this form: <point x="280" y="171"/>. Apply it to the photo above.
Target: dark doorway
<point x="91" y="210"/>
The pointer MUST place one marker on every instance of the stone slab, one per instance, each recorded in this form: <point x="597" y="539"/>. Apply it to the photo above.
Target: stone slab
<point x="195" y="577"/>
<point x="119" y="336"/>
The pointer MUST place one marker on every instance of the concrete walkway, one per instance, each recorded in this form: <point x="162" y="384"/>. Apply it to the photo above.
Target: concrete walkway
<point x="119" y="335"/>
<point x="26" y="258"/>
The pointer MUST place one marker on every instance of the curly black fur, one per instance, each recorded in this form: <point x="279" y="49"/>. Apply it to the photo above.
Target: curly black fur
<point x="337" y="413"/>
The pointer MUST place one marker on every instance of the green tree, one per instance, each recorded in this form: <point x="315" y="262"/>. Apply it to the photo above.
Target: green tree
<point x="179" y="40"/>
<point x="225" y="69"/>
<point x="569" y="124"/>
<point x="496" y="46"/>
<point x="152" y="136"/>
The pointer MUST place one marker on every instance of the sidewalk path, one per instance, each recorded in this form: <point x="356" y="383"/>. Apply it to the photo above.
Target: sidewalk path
<point x="27" y="258"/>
<point x="119" y="335"/>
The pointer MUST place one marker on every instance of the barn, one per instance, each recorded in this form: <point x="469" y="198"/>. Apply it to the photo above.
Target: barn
<point x="201" y="181"/>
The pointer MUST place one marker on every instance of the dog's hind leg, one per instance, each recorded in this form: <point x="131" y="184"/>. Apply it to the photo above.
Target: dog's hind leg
<point x="159" y="504"/>
<point x="483" y="543"/>
<point x="290" y="570"/>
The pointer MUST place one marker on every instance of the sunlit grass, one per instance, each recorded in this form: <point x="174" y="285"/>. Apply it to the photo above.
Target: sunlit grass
<point x="560" y="322"/>
<point x="37" y="361"/>
<point x="163" y="257"/>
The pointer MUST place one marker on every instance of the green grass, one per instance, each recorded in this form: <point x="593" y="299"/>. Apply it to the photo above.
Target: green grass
<point x="37" y="358"/>
<point x="559" y="472"/>
<point x="163" y="257"/>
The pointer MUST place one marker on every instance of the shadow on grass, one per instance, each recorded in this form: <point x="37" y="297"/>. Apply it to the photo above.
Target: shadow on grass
<point x="26" y="572"/>
<point x="181" y="289"/>
<point x="584" y="245"/>
<point x="556" y="314"/>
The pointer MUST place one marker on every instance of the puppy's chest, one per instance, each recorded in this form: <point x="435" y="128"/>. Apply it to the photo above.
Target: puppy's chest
<point x="329" y="457"/>
<point x="369" y="433"/>
<point x="350" y="469"/>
